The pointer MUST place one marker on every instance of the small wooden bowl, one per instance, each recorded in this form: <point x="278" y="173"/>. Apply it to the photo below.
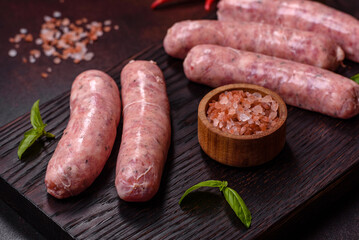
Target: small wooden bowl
<point x="241" y="150"/>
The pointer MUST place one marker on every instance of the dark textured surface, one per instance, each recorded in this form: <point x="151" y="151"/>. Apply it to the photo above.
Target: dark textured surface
<point x="318" y="152"/>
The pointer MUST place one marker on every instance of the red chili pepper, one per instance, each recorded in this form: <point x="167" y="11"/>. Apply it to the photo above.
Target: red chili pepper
<point x="207" y="5"/>
<point x="158" y="2"/>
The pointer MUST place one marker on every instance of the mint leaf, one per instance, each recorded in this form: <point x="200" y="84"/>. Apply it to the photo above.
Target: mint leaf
<point x="231" y="196"/>
<point x="29" y="138"/>
<point x="209" y="183"/>
<point x="238" y="206"/>
<point x="33" y="134"/>
<point x="355" y="78"/>
<point x="35" y="116"/>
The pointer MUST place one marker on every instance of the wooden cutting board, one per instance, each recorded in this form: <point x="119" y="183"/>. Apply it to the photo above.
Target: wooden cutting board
<point x="319" y="151"/>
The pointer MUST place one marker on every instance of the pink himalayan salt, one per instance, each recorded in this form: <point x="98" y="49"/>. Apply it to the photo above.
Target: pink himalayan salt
<point x="243" y="113"/>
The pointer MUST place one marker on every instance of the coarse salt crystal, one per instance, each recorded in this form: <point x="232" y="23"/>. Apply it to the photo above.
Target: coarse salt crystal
<point x="243" y="117"/>
<point x="215" y="122"/>
<point x="224" y="100"/>
<point x="258" y="109"/>
<point x="232" y="111"/>
<point x="274" y="106"/>
<point x="267" y="99"/>
<point x="272" y="115"/>
<point x="12" y="53"/>
<point x="257" y="94"/>
<point x="243" y="129"/>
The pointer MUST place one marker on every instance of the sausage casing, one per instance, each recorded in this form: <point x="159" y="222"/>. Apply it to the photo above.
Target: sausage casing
<point x="88" y="139"/>
<point x="300" y="85"/>
<point x="305" y="15"/>
<point x="146" y="131"/>
<point x="299" y="46"/>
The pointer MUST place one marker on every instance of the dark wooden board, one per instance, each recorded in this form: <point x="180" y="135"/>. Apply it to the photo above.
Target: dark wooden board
<point x="319" y="151"/>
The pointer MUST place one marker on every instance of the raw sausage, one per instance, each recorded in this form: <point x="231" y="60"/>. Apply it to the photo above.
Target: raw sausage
<point x="300" y="85"/>
<point x="305" y="15"/>
<point x="88" y="139"/>
<point x="146" y="131"/>
<point x="300" y="46"/>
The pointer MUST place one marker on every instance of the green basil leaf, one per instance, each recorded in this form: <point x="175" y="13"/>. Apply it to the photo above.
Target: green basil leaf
<point x="238" y="206"/>
<point x="49" y="135"/>
<point x="37" y="131"/>
<point x="35" y="116"/>
<point x="355" y="78"/>
<point x="29" y="138"/>
<point x="209" y="183"/>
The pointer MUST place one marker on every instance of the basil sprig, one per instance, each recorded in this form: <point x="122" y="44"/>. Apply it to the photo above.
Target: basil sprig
<point x="355" y="78"/>
<point x="232" y="197"/>
<point x="33" y="134"/>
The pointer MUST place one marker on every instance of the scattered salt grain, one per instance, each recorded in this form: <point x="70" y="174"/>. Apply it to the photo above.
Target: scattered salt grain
<point x="23" y="30"/>
<point x="29" y="38"/>
<point x="44" y="75"/>
<point x="38" y="41"/>
<point x="107" y="22"/>
<point x="12" y="53"/>
<point x="17" y="38"/>
<point x="65" y="22"/>
<point x="47" y="18"/>
<point x="32" y="59"/>
<point x="62" y="39"/>
<point x="56" y="14"/>
<point x="88" y="56"/>
<point x="107" y="29"/>
<point x="57" y="60"/>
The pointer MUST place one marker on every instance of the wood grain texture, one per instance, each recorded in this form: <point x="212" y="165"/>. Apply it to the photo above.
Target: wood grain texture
<point x="241" y="150"/>
<point x="319" y="150"/>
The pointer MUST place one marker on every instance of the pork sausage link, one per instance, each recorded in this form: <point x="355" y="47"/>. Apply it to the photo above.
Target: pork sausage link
<point x="88" y="139"/>
<point x="305" y="15"/>
<point x="300" y="85"/>
<point x="146" y="131"/>
<point x="299" y="46"/>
